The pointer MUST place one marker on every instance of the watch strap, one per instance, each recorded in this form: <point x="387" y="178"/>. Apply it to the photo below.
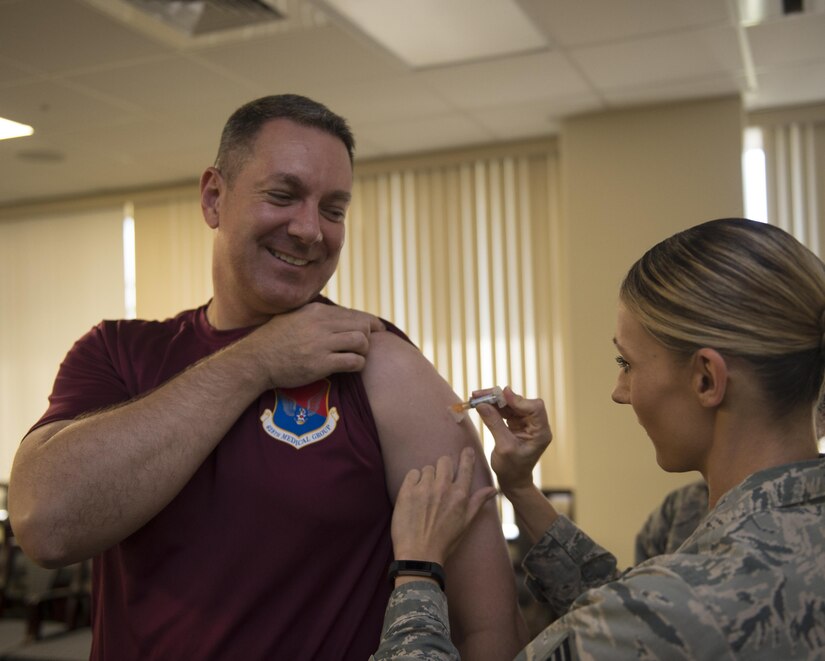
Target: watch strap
<point x="417" y="568"/>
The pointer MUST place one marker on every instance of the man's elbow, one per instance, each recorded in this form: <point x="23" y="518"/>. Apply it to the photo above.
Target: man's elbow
<point x="37" y="534"/>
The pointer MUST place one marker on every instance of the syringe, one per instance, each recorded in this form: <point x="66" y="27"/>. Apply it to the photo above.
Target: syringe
<point x="495" y="396"/>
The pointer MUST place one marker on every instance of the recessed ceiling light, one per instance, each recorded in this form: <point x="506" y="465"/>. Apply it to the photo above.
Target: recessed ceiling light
<point x="426" y="33"/>
<point x="10" y="129"/>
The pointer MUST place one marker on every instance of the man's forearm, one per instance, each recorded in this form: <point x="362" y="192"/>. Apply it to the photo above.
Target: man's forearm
<point x="78" y="487"/>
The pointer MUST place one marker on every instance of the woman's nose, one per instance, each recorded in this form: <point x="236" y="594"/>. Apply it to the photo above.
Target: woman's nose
<point x="620" y="393"/>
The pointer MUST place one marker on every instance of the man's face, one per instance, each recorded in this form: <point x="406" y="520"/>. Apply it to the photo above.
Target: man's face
<point x="279" y="224"/>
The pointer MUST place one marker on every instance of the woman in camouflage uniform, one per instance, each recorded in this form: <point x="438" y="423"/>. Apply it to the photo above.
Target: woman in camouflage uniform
<point x="721" y="341"/>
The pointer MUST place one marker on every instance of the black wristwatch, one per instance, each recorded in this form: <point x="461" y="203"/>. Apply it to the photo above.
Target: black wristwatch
<point x="416" y="568"/>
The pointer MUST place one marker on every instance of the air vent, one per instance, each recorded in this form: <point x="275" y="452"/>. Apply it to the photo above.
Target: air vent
<point x="197" y="17"/>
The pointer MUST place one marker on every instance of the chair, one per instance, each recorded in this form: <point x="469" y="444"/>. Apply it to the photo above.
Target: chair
<point x="42" y="611"/>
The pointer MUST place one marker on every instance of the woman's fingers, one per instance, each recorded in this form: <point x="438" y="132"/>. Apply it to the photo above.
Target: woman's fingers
<point x="435" y="505"/>
<point x="464" y="473"/>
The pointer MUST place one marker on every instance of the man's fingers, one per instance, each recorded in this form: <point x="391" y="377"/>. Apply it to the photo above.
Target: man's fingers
<point x="376" y="325"/>
<point x="370" y="322"/>
<point x="350" y="342"/>
<point x="340" y="319"/>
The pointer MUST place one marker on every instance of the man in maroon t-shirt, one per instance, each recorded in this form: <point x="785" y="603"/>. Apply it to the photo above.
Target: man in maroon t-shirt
<point x="232" y="470"/>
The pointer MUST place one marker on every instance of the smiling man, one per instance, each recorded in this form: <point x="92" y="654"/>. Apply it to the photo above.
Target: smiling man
<point x="232" y="470"/>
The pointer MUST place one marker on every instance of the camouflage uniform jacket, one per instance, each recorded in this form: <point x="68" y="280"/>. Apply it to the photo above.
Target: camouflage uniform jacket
<point x="748" y="584"/>
<point x="673" y="521"/>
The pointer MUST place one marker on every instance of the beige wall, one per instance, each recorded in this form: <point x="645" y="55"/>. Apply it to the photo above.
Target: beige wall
<point x="629" y="179"/>
<point x="60" y="273"/>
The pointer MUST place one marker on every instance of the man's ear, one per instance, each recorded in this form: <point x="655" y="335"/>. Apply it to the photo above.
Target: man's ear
<point x="212" y="187"/>
<point x="710" y="377"/>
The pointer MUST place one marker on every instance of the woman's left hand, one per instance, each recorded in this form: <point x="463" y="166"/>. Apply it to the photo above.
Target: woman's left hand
<point x="434" y="507"/>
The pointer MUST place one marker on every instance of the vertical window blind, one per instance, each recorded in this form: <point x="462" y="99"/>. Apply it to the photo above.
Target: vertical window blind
<point x="60" y="274"/>
<point x="457" y="251"/>
<point x="794" y="144"/>
<point x="173" y="255"/>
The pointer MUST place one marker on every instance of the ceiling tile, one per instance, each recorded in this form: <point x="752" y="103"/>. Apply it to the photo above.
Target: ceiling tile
<point x="53" y="36"/>
<point x="591" y="22"/>
<point x="682" y="90"/>
<point x="423" y="134"/>
<point x="127" y="105"/>
<point x="400" y="98"/>
<point x="790" y="85"/>
<point x="793" y="39"/>
<point x="509" y="80"/>
<point x="11" y="73"/>
<point x="537" y="118"/>
<point x="184" y="87"/>
<point x="294" y="59"/>
<point x="660" y="59"/>
<point x="56" y="106"/>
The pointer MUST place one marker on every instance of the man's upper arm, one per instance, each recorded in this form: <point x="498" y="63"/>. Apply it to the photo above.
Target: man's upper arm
<point x="410" y="403"/>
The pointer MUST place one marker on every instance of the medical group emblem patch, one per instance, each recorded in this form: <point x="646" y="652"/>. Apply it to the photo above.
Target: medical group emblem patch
<point x="301" y="416"/>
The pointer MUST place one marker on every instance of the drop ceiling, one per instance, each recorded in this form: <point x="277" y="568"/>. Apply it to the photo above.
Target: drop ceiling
<point x="120" y="101"/>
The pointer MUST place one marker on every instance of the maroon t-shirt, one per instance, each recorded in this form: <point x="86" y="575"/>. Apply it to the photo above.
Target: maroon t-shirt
<point x="278" y="546"/>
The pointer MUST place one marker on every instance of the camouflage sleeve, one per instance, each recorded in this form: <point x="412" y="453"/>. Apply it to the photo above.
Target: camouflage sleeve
<point x="564" y="563"/>
<point x="650" y="614"/>
<point x="416" y="625"/>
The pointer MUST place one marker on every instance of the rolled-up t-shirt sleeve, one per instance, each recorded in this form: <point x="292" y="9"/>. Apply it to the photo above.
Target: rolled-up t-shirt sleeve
<point x="88" y="379"/>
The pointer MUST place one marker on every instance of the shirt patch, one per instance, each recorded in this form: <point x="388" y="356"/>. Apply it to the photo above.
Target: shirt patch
<point x="301" y="416"/>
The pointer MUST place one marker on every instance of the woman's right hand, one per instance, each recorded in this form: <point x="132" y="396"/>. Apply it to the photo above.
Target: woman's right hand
<point x="521" y="432"/>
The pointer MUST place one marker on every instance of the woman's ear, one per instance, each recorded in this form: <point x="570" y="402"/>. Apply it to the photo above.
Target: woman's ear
<point x="710" y="377"/>
<point x="212" y="186"/>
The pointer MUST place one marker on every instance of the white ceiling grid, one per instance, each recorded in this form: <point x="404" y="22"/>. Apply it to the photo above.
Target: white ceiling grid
<point x="120" y="101"/>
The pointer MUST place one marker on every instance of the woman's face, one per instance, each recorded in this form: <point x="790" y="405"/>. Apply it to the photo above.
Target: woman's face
<point x="657" y="383"/>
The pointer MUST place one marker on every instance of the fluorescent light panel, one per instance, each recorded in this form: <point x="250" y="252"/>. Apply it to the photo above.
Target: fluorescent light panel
<point x="10" y="129"/>
<point x="425" y="33"/>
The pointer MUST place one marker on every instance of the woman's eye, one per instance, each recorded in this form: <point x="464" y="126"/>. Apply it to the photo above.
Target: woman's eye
<point x="622" y="363"/>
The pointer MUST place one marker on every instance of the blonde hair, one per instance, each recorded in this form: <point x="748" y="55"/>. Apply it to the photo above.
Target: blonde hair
<point x="744" y="288"/>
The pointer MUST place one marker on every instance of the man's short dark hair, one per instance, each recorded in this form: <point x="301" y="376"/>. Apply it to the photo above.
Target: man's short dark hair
<point x="243" y="125"/>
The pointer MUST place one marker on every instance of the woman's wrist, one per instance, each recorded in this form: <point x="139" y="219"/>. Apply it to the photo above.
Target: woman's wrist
<point x="416" y="569"/>
<point x="534" y="512"/>
<point x="415" y="551"/>
<point x="401" y="580"/>
<point x="519" y="491"/>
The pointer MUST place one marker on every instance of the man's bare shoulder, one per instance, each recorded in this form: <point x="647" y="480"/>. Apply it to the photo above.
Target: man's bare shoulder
<point x="389" y="352"/>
